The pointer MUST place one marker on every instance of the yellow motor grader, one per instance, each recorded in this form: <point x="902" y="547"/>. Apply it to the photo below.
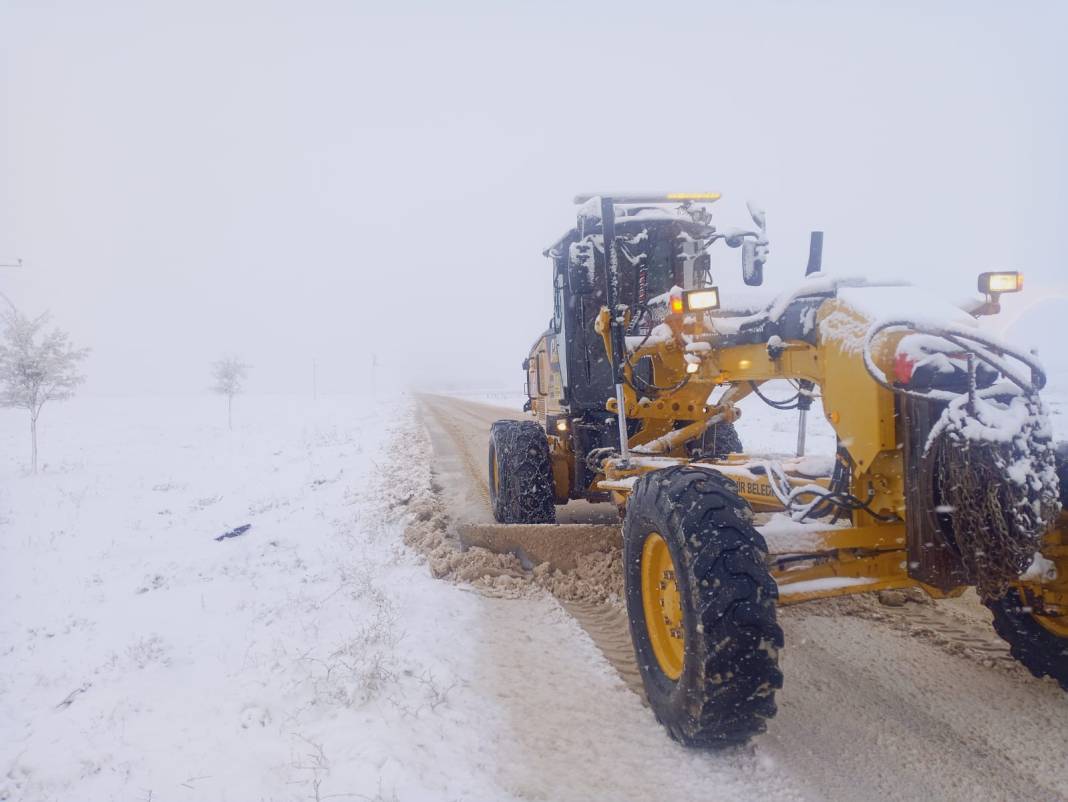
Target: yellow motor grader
<point x="945" y="474"/>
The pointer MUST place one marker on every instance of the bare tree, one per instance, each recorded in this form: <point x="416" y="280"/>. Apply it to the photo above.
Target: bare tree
<point x="36" y="366"/>
<point x="229" y="375"/>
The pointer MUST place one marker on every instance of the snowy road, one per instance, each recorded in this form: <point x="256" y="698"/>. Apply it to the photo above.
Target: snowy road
<point x="923" y="704"/>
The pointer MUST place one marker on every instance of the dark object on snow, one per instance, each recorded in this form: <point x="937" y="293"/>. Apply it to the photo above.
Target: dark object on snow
<point x="234" y="532"/>
<point x="69" y="700"/>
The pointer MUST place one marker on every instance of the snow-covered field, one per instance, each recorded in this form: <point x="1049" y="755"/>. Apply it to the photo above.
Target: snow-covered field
<point x="144" y="659"/>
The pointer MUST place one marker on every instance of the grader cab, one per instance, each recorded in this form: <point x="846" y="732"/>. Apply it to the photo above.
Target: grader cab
<point x="944" y="474"/>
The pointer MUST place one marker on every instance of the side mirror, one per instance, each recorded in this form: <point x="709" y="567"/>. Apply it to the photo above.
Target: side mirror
<point x="581" y="267"/>
<point x="752" y="264"/>
<point x="755" y="251"/>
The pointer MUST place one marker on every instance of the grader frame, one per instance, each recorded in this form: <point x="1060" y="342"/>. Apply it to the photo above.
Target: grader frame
<point x="659" y="406"/>
<point x="875" y="552"/>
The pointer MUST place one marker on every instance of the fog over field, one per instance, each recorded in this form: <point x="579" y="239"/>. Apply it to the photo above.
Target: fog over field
<point x="307" y="530"/>
<point x="328" y="181"/>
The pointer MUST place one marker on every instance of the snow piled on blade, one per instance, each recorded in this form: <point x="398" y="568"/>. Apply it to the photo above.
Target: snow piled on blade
<point x="827" y="584"/>
<point x="784" y="535"/>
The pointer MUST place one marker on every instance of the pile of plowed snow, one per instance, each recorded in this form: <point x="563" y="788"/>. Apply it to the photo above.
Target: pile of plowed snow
<point x="597" y="576"/>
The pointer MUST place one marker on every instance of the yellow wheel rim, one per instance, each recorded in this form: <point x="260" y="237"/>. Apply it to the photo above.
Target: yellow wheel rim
<point x="1058" y="626"/>
<point x="1055" y="625"/>
<point x="662" y="605"/>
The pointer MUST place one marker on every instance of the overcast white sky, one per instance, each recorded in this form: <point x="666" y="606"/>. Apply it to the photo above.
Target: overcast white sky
<point x="327" y="180"/>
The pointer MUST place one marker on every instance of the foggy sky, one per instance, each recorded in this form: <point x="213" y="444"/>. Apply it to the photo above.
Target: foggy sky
<point x="300" y="181"/>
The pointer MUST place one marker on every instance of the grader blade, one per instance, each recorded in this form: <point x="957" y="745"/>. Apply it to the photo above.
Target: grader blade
<point x="559" y="545"/>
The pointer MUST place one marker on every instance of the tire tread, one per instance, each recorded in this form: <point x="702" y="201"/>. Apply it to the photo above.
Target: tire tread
<point x="525" y="494"/>
<point x="733" y="598"/>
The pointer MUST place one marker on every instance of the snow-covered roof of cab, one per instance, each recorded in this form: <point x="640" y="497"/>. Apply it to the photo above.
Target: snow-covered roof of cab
<point x="632" y="208"/>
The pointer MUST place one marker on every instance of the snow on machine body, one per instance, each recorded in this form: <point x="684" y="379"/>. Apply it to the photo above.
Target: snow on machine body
<point x="945" y="474"/>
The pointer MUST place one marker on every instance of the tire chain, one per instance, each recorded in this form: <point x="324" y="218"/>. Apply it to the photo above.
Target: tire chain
<point x="998" y="523"/>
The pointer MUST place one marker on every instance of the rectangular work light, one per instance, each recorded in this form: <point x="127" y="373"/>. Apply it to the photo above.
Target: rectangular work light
<point x="693" y="196"/>
<point x="700" y="300"/>
<point x="997" y="283"/>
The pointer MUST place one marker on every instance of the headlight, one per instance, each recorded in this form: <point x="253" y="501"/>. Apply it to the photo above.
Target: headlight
<point x="700" y="300"/>
<point x="997" y="283"/>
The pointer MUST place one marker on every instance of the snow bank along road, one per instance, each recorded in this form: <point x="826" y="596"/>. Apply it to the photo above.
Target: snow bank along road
<point x="914" y="702"/>
<point x="315" y="657"/>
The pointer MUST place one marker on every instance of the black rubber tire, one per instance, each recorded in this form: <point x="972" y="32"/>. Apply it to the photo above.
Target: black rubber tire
<point x="1041" y="652"/>
<point x="722" y="439"/>
<point x="524" y="494"/>
<point x="718" y="441"/>
<point x="726" y="692"/>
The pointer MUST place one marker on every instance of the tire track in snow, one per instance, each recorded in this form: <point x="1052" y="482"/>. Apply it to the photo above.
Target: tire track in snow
<point x="609" y="629"/>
